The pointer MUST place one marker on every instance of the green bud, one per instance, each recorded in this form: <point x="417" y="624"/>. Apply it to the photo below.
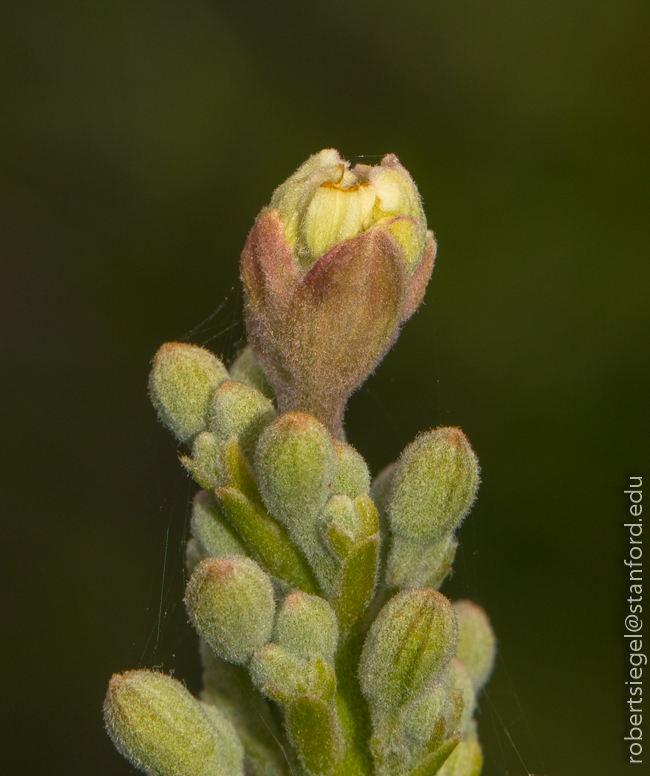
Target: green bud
<point x="411" y="641"/>
<point x="284" y="676"/>
<point x="418" y="563"/>
<point x="194" y="554"/>
<point x="428" y="711"/>
<point x="181" y="384"/>
<point x="211" y="528"/>
<point x="295" y="464"/>
<point x="466" y="759"/>
<point x="351" y="532"/>
<point x="157" y="725"/>
<point x="476" y="642"/>
<point x="464" y="696"/>
<point x="237" y="410"/>
<point x="435" y="485"/>
<point x="351" y="477"/>
<point x="205" y="463"/>
<point x="245" y="369"/>
<point x="307" y="626"/>
<point x="230" y="602"/>
<point x="347" y="522"/>
<point x="381" y="489"/>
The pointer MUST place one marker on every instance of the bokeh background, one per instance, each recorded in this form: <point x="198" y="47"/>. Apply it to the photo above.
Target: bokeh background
<point x="137" y="143"/>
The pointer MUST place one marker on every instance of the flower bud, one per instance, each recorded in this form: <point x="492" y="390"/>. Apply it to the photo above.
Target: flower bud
<point x="157" y="725"/>
<point x="324" y="202"/>
<point x="230" y="602"/>
<point x="284" y="676"/>
<point x="465" y="760"/>
<point x="427" y="713"/>
<point x="351" y="477"/>
<point x="331" y="269"/>
<point x="295" y="464"/>
<point x="237" y="410"/>
<point x="307" y="626"/>
<point x="464" y="697"/>
<point x="245" y="369"/>
<point x="434" y="485"/>
<point x="181" y="383"/>
<point x="420" y="563"/>
<point x="205" y="462"/>
<point x="409" y="644"/>
<point x="211" y="528"/>
<point x="476" y="642"/>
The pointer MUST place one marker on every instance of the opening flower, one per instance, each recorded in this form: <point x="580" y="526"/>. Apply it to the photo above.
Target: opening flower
<point x="332" y="267"/>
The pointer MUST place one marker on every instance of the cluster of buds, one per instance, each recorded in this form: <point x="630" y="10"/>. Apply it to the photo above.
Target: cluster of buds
<point x="327" y="648"/>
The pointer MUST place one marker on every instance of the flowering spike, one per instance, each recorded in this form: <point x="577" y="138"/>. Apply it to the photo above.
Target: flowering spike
<point x="312" y="590"/>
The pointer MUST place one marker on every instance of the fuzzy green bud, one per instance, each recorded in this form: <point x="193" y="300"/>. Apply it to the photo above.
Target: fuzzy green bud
<point x="434" y="485"/>
<point x="464" y="695"/>
<point x="351" y="477"/>
<point x="230" y="602"/>
<point x="306" y="625"/>
<point x="419" y="563"/>
<point x="211" y="528"/>
<point x="466" y="759"/>
<point x="245" y="369"/>
<point x="411" y="641"/>
<point x="476" y="642"/>
<point x="284" y="676"/>
<point x="195" y="552"/>
<point x="181" y="384"/>
<point x="205" y="462"/>
<point x="295" y="463"/>
<point x="157" y="725"/>
<point x="239" y="411"/>
<point x="428" y="710"/>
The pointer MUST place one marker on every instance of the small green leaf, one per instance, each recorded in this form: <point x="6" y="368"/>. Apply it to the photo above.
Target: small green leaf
<point x="313" y="729"/>
<point x="267" y="540"/>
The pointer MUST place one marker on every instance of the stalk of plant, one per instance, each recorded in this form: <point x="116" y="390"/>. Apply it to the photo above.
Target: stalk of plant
<point x="327" y="647"/>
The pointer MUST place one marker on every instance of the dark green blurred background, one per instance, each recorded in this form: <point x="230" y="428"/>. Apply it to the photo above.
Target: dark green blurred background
<point x="138" y="142"/>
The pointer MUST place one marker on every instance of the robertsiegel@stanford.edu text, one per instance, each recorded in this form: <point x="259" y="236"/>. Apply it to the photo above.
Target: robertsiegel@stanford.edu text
<point x="634" y="622"/>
